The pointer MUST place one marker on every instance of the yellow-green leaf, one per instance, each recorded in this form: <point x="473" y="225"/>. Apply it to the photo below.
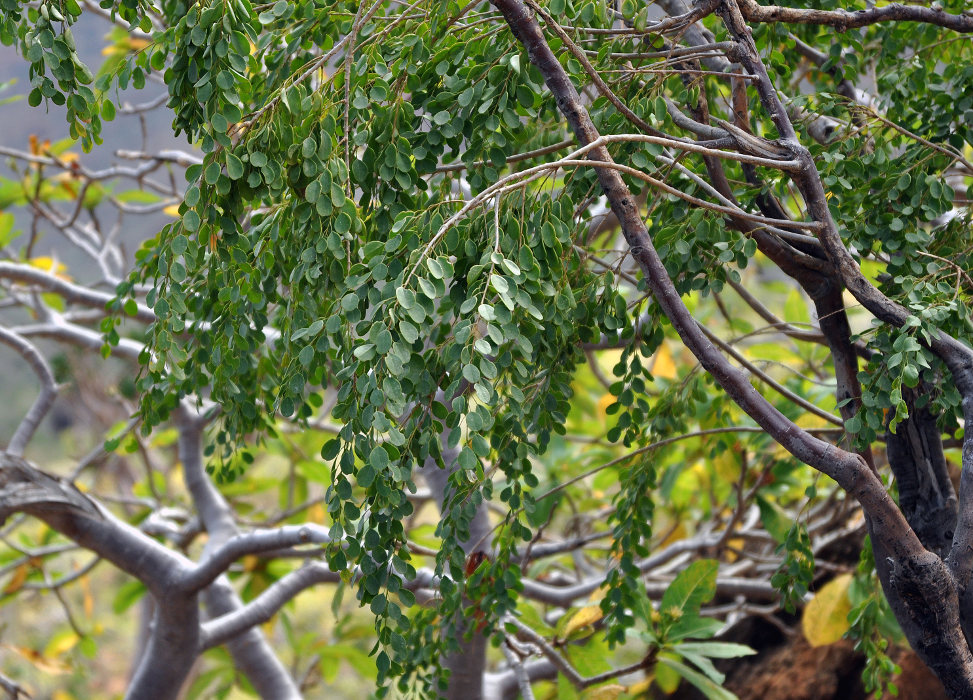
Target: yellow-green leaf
<point x="604" y="692"/>
<point x="587" y="615"/>
<point x="825" y="618"/>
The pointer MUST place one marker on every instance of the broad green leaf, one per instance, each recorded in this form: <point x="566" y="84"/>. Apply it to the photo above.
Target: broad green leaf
<point x="707" y="687"/>
<point x="693" y="586"/>
<point x="774" y="518"/>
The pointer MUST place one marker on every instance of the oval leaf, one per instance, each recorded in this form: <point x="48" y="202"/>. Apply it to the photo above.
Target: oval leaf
<point x="825" y="619"/>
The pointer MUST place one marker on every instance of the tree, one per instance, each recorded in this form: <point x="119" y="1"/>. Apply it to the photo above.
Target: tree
<point x="419" y="236"/>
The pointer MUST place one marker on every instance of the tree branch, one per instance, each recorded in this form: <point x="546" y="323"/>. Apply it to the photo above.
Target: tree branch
<point x="265" y="606"/>
<point x="45" y="399"/>
<point x="848" y="469"/>
<point x="220" y="558"/>
<point x="842" y="19"/>
<point x="251" y="652"/>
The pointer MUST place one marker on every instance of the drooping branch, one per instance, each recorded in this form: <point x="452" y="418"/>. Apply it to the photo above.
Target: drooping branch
<point x="467" y="664"/>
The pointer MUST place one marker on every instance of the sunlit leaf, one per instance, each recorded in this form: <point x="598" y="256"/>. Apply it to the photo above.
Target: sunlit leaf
<point x="825" y="617"/>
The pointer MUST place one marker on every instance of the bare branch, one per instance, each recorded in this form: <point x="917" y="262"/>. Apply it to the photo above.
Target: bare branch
<point x="264" y="606"/>
<point x="45" y="399"/>
<point x="72" y="293"/>
<point x="843" y="19"/>
<point x="250" y="543"/>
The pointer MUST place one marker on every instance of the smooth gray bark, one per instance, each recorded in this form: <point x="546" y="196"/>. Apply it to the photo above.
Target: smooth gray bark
<point x="251" y="653"/>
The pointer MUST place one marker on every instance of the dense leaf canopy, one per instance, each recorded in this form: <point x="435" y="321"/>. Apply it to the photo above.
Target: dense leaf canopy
<point x="419" y="220"/>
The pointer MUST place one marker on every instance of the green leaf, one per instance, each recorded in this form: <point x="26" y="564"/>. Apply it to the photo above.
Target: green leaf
<point x="128" y="593"/>
<point x="707" y="687"/>
<point x="409" y="332"/>
<point x="379" y="458"/>
<point x="406" y="297"/>
<point x="715" y="650"/>
<point x="693" y="586"/>
<point x="212" y="173"/>
<point x="383" y="342"/>
<point x="471" y="373"/>
<point x="315" y="471"/>
<point x="774" y="518"/>
<point x="234" y="167"/>
<point x="190" y="221"/>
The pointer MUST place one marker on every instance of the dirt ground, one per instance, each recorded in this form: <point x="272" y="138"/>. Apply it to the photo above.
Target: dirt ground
<point x="786" y="667"/>
<point x="796" y="671"/>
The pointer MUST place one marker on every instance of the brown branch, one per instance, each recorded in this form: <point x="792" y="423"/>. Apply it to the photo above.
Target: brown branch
<point x="843" y="19"/>
<point x="918" y="584"/>
<point x="848" y="469"/>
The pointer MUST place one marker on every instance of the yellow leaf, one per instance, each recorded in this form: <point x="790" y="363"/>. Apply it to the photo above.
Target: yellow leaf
<point x="17" y="580"/>
<point x="55" y="301"/>
<point x="39" y="661"/>
<point x="727" y="464"/>
<point x="316" y="513"/>
<point x="737" y="544"/>
<point x="677" y="533"/>
<point x="598" y="594"/>
<point x="172" y="210"/>
<point x="810" y="420"/>
<point x="825" y="618"/>
<point x="88" y="600"/>
<point x="125" y="45"/>
<point x="604" y="692"/>
<point x="49" y="264"/>
<point x="604" y="402"/>
<point x="587" y="615"/>
<point x="61" y="643"/>
<point x="664" y="366"/>
<point x="639" y="688"/>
